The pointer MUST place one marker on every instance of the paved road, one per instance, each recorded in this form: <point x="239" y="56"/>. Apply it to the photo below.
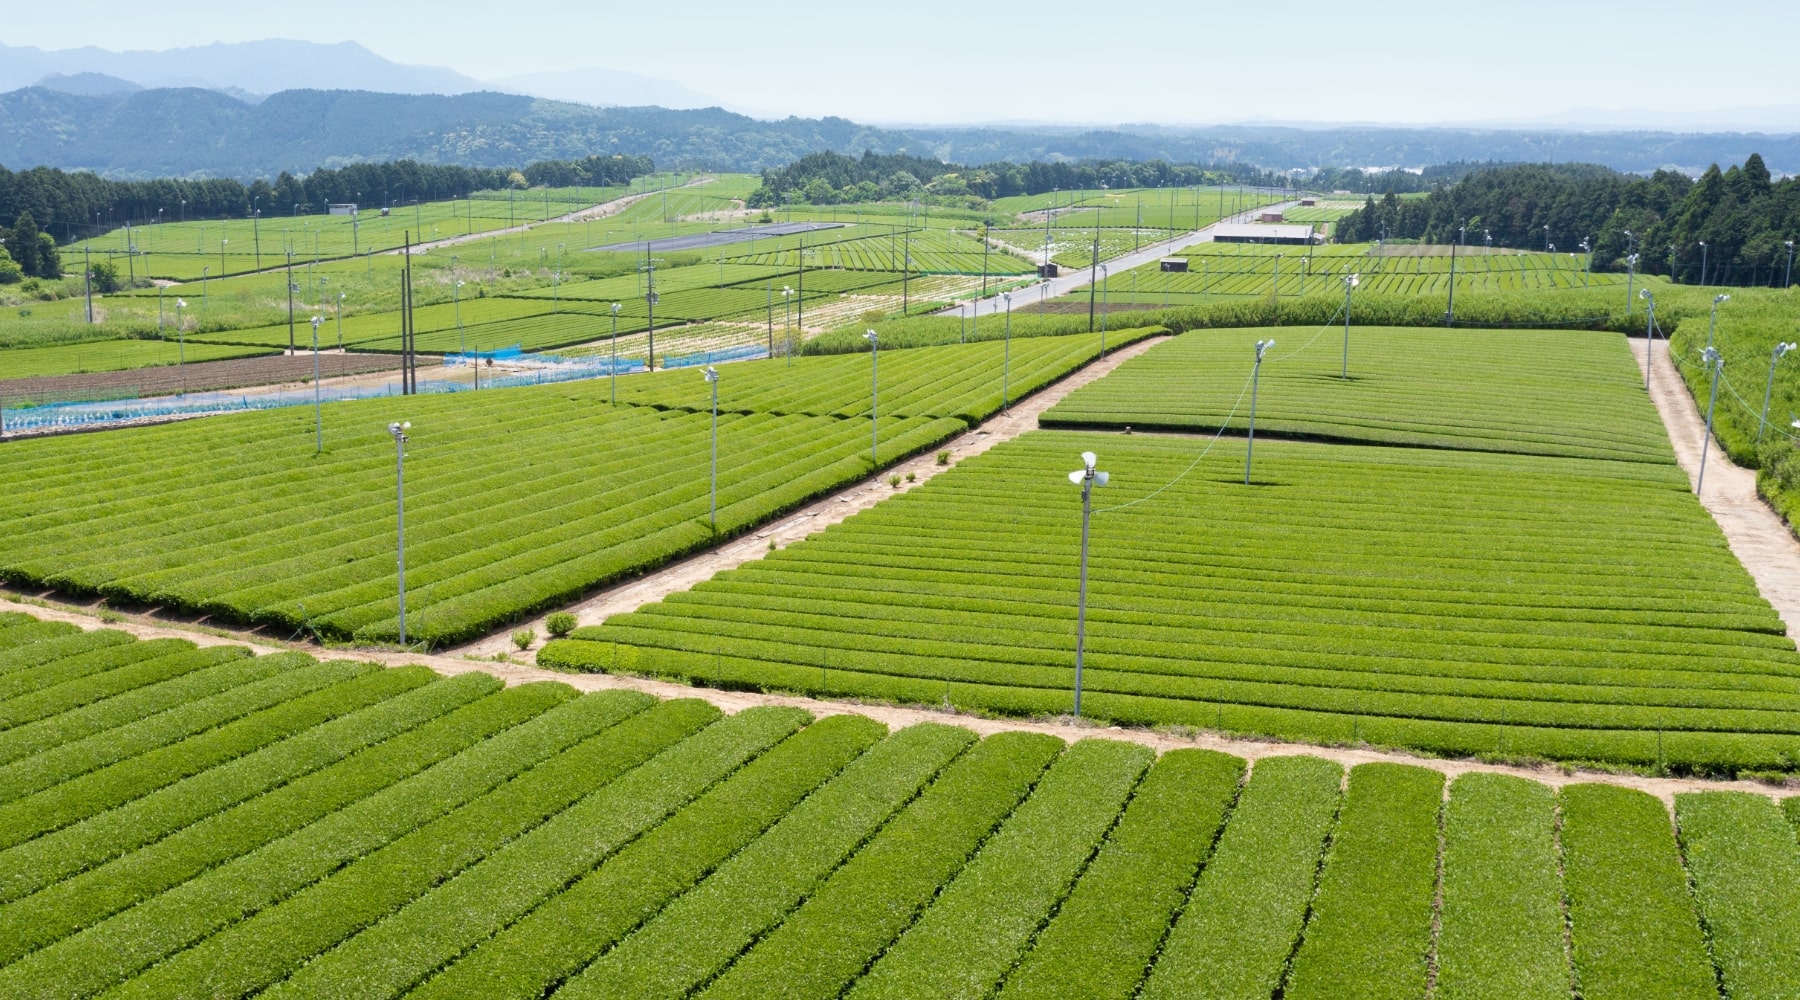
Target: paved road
<point x="1071" y="280"/>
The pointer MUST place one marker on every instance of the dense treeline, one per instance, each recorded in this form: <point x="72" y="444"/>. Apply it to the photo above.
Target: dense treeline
<point x="833" y="179"/>
<point x="1730" y="227"/>
<point x="69" y="205"/>
<point x="1360" y="181"/>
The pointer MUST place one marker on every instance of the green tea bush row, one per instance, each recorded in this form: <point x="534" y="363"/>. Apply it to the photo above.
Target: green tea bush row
<point x="78" y="900"/>
<point x="822" y="946"/>
<point x="703" y="930"/>
<point x="600" y="734"/>
<point x="983" y="921"/>
<point x="1740" y="854"/>
<point x="586" y="813"/>
<point x="541" y="948"/>
<point x="1370" y="930"/>
<point x="1625" y="886"/>
<point x="1106" y="933"/>
<point x="1243" y="917"/>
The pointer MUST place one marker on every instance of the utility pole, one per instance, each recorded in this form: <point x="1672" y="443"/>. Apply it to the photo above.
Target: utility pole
<point x="1093" y="275"/>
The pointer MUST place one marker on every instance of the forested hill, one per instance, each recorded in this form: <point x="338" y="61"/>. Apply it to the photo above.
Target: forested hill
<point x="1731" y="226"/>
<point x="193" y="132"/>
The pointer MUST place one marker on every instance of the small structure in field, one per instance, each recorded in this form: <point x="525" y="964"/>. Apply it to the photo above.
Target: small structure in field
<point x="1287" y="235"/>
<point x="1176" y="264"/>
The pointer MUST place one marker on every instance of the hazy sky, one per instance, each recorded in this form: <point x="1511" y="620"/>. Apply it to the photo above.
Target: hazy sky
<point x="937" y="60"/>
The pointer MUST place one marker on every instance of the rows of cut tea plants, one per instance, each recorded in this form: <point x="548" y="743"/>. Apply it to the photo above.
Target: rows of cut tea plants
<point x="1229" y="269"/>
<point x="306" y="829"/>
<point x="112" y="356"/>
<point x="517" y="499"/>
<point x="1458" y="602"/>
<point x="938" y="381"/>
<point x="1527" y="391"/>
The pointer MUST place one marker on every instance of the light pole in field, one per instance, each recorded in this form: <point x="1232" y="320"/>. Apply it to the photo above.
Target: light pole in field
<point x="461" y="338"/>
<point x="318" y="415"/>
<point x="1630" y="278"/>
<point x="398" y="430"/>
<point x="1006" y="359"/>
<point x="874" y="340"/>
<point x="1714" y="361"/>
<point x="787" y="331"/>
<point x="1087" y="477"/>
<point x="613" y="370"/>
<point x="712" y="379"/>
<point x="1649" y="334"/>
<point x="1713" y="325"/>
<point x="1788" y="282"/>
<point x="1255" y="375"/>
<point x="1780" y="349"/>
<point x="1104" y="274"/>
<point x="180" y="346"/>
<point x="339" y="312"/>
<point x="222" y="257"/>
<point x="1350" y="283"/>
<point x="1589" y="250"/>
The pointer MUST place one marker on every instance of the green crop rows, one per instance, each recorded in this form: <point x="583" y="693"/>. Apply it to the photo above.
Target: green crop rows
<point x="1533" y="392"/>
<point x="1456" y="601"/>
<point x="517" y="499"/>
<point x="385" y="833"/>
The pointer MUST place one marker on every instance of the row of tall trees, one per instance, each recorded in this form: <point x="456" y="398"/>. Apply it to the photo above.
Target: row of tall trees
<point x="27" y="252"/>
<point x="72" y="205"/>
<point x="834" y="179"/>
<point x="1728" y="227"/>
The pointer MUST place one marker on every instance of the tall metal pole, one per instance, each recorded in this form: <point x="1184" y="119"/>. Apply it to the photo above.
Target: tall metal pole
<point x="399" y="433"/>
<point x="1713" y="324"/>
<point x="1255" y="375"/>
<point x="1649" y="335"/>
<point x="1788" y="282"/>
<point x="1450" y="310"/>
<point x="1350" y="283"/>
<point x="290" y="294"/>
<point x="318" y="413"/>
<point x="613" y="370"/>
<point x="1715" y="361"/>
<point x="1769" y="389"/>
<point x="180" y="346"/>
<point x="1630" y="279"/>
<point x="874" y="395"/>
<point x="1104" y="290"/>
<point x="1006" y="362"/>
<point x="1087" y="478"/>
<point x="1093" y="272"/>
<point x="712" y="379"/>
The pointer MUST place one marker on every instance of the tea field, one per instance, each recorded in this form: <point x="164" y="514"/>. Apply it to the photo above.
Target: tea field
<point x="1457" y="602"/>
<point x="1568" y="393"/>
<point x="517" y="499"/>
<point x="198" y="822"/>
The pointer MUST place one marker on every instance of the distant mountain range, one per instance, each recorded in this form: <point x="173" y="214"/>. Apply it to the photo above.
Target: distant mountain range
<point x="252" y="70"/>
<point x="254" y="109"/>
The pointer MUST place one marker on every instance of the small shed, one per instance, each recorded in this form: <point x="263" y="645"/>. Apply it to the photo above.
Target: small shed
<point x="1176" y="264"/>
<point x="1048" y="271"/>
<point x="1308" y="202"/>
<point x="346" y="208"/>
<point x="1270" y="217"/>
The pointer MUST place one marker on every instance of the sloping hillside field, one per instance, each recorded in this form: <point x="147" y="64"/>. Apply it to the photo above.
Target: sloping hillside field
<point x="1457" y="601"/>
<point x="182" y="822"/>
<point x="516" y="498"/>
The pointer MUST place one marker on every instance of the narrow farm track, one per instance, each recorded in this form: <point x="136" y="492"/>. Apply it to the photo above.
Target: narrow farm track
<point x="818" y="516"/>
<point x="600" y="211"/>
<point x="1758" y="536"/>
<point x="894" y="717"/>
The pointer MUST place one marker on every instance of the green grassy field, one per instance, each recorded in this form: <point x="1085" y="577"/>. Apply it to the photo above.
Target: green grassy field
<point x="517" y="498"/>
<point x="180" y="821"/>
<point x="1534" y="392"/>
<point x="116" y="355"/>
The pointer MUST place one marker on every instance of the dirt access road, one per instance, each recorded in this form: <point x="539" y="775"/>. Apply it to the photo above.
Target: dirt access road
<point x="1758" y="536"/>
<point x="600" y="211"/>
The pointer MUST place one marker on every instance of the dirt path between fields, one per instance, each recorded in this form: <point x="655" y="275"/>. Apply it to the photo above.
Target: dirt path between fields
<point x="599" y="211"/>
<point x="820" y="514"/>
<point x="893" y="717"/>
<point x="1758" y="536"/>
